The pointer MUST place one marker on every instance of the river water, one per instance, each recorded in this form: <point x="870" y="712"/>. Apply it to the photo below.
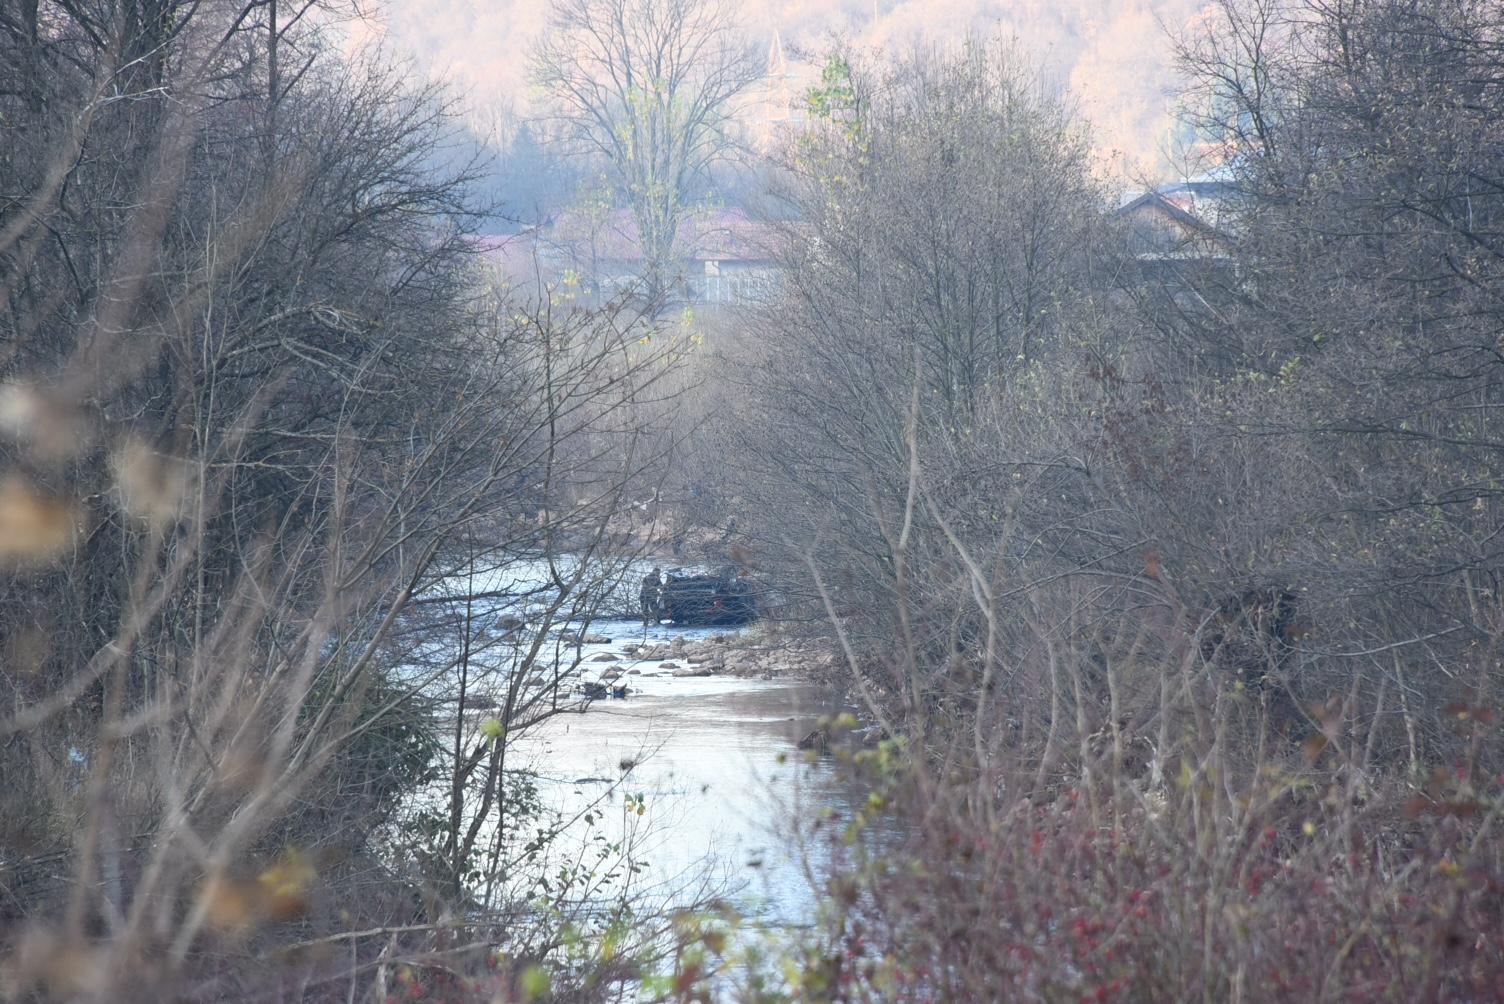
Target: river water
<point x="724" y="787"/>
<point x="690" y="790"/>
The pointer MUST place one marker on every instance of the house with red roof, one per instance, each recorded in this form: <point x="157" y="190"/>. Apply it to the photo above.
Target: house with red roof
<point x="723" y="256"/>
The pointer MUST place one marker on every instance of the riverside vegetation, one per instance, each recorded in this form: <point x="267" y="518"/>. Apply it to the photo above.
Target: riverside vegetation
<point x="1168" y="584"/>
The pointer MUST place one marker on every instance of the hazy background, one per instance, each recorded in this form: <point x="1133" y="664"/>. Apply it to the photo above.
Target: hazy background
<point x="1113" y="55"/>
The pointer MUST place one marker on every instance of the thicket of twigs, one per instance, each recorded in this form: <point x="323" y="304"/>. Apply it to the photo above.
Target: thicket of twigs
<point x="1171" y="579"/>
<point x="291" y="501"/>
<point x="1176" y="574"/>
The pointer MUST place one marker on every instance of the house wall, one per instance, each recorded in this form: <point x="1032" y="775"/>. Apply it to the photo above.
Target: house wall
<point x="730" y="282"/>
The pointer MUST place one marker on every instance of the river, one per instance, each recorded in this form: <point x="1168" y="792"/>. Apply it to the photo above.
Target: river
<point x="716" y="762"/>
<point x="697" y="782"/>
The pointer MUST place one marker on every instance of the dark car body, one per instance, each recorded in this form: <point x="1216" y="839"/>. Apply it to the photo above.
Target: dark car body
<point x="707" y="599"/>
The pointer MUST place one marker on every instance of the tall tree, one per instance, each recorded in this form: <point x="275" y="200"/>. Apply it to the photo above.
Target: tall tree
<point x="261" y="424"/>
<point x="944" y="261"/>
<point x="650" y="85"/>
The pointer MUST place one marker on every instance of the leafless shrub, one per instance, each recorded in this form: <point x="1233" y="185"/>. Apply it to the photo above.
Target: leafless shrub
<point x="1174" y="599"/>
<point x="260" y="411"/>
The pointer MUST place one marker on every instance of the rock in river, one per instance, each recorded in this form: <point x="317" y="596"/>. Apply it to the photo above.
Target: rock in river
<point x="816" y="740"/>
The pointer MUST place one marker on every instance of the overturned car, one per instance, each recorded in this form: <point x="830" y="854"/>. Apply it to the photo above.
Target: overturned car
<point x="706" y="599"/>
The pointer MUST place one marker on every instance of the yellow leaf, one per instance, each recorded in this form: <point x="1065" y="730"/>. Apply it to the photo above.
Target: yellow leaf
<point x="34" y="527"/>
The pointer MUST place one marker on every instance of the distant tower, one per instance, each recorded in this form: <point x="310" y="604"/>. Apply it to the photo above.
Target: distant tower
<point x="778" y="64"/>
<point x="771" y="107"/>
<point x="780" y="92"/>
<point x="774" y="104"/>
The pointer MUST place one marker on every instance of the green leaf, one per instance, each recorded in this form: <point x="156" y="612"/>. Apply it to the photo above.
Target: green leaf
<point x="535" y="982"/>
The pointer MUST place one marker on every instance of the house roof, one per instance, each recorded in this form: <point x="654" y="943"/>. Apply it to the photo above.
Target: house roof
<point x="732" y="235"/>
<point x="1160" y="226"/>
<point x="719" y="235"/>
<point x="514" y="255"/>
<point x="1158" y="200"/>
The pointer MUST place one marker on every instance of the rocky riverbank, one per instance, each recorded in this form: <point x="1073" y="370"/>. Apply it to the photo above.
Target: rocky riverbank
<point x="616" y="667"/>
<point x="749" y="655"/>
<point x="610" y="662"/>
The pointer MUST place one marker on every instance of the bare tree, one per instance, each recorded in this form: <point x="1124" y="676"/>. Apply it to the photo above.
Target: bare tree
<point x="261" y="415"/>
<point x="944" y="251"/>
<point x="650" y="86"/>
<point x="1214" y="572"/>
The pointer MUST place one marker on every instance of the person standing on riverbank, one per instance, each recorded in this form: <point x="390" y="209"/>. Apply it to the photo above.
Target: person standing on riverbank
<point x="649" y="596"/>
